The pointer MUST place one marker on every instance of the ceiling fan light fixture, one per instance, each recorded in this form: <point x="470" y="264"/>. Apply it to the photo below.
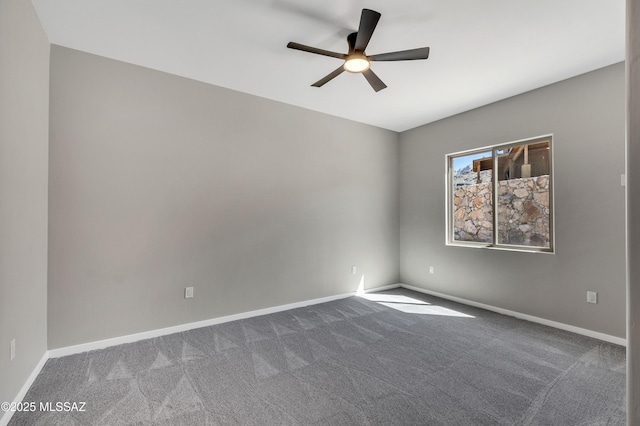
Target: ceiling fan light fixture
<point x="356" y="63"/>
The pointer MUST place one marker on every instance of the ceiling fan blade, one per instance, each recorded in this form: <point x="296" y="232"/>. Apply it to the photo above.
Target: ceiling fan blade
<point x="374" y="80"/>
<point x="368" y="21"/>
<point x="403" y="55"/>
<point x="329" y="77"/>
<point x="298" y="46"/>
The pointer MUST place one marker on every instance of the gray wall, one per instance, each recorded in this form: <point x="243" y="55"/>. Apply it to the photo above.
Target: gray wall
<point x="24" y="106"/>
<point x="159" y="182"/>
<point x="586" y="115"/>
<point x="633" y="212"/>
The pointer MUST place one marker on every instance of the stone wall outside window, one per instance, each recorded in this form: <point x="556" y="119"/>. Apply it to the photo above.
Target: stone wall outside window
<point x="523" y="212"/>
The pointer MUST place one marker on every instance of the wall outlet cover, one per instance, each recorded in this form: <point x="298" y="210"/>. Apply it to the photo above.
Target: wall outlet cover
<point x="188" y="292"/>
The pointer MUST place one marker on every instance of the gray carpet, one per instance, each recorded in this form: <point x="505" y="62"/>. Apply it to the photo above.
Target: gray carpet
<point x="414" y="360"/>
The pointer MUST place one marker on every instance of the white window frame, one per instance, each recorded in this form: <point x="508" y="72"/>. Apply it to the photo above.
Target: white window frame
<point x="449" y="210"/>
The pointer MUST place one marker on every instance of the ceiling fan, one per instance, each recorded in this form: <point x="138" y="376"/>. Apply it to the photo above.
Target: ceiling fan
<point x="356" y="61"/>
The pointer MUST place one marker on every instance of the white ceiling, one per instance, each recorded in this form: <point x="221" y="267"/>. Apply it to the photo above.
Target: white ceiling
<point x="481" y="50"/>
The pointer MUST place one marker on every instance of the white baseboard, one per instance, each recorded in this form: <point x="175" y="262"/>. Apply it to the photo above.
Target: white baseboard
<point x="4" y="420"/>
<point x="130" y="338"/>
<point x="566" y="327"/>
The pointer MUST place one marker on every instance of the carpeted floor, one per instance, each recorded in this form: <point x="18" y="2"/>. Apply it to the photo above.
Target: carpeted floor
<point x="392" y="358"/>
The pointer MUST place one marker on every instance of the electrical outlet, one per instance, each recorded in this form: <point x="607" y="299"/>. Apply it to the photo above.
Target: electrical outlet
<point x="353" y="270"/>
<point x="188" y="292"/>
<point x="13" y="349"/>
<point x="592" y="297"/>
<point x="432" y="270"/>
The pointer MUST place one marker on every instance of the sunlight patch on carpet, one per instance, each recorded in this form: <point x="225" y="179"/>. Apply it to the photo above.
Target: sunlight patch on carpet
<point x="412" y="306"/>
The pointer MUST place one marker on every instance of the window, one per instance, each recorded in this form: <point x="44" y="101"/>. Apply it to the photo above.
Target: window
<point x="501" y="196"/>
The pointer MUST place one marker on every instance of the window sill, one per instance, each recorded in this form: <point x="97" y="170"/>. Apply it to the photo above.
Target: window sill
<point x="522" y="249"/>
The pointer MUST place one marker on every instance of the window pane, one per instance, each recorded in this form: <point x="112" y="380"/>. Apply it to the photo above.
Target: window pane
<point x="523" y="195"/>
<point x="472" y="197"/>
